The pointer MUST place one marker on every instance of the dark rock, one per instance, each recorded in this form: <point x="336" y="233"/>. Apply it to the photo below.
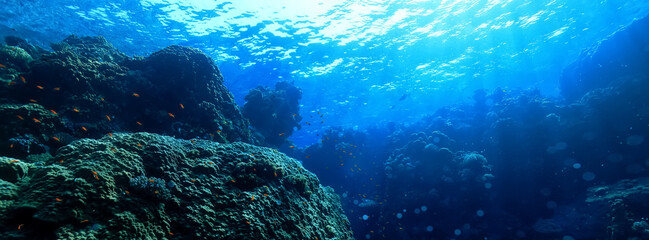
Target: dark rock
<point x="90" y="89"/>
<point x="274" y="113"/>
<point x="626" y="52"/>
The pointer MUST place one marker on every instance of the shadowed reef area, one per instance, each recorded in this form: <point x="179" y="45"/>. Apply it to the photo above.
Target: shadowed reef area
<point x="98" y="145"/>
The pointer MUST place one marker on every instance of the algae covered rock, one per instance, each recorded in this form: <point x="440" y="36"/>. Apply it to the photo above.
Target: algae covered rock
<point x="274" y="114"/>
<point x="86" y="88"/>
<point x="147" y="186"/>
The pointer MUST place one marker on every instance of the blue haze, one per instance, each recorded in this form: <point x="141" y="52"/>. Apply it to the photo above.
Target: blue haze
<point x="354" y="60"/>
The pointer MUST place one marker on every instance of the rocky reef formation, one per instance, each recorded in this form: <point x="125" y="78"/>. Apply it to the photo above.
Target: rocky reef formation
<point x="147" y="186"/>
<point x="86" y="88"/>
<point x="626" y="207"/>
<point x="511" y="164"/>
<point x="73" y="167"/>
<point x="274" y="114"/>
<point x="599" y="67"/>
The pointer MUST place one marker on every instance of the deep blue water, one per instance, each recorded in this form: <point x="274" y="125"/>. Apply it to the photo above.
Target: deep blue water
<point x="354" y="60"/>
<point x="377" y="80"/>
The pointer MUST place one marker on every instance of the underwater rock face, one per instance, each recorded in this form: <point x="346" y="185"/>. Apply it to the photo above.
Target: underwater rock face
<point x="87" y="89"/>
<point x="626" y="206"/>
<point x="147" y="186"/>
<point x="601" y="65"/>
<point x="274" y="113"/>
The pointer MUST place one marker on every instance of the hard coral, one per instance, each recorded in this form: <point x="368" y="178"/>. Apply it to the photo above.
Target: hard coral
<point x="274" y="113"/>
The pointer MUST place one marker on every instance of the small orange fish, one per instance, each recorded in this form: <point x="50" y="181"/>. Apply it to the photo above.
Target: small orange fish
<point x="2" y="66"/>
<point x="151" y="180"/>
<point x="11" y="146"/>
<point x="193" y="141"/>
<point x="84" y="221"/>
<point x="102" y="99"/>
<point x="54" y="112"/>
<point x="23" y="79"/>
<point x="218" y="131"/>
<point x="210" y="163"/>
<point x="11" y="83"/>
<point x="181" y="106"/>
<point x="156" y="192"/>
<point x="233" y="181"/>
<point x="127" y="192"/>
<point x="294" y="115"/>
<point x="14" y="161"/>
<point x="248" y="222"/>
<point x="139" y="145"/>
<point x="291" y="146"/>
<point x="108" y="117"/>
<point x="32" y="100"/>
<point x="172" y="115"/>
<point x="59" y="200"/>
<point x="275" y="174"/>
<point x="75" y="110"/>
<point x="96" y="175"/>
<point x="40" y="87"/>
<point x="110" y="134"/>
<point x="20" y="117"/>
<point x="252" y="198"/>
<point x="84" y="128"/>
<point x="57" y="89"/>
<point x="265" y="194"/>
<point x="114" y="150"/>
<point x="139" y="123"/>
<point x="136" y="95"/>
<point x="193" y="180"/>
<point x="22" y="224"/>
<point x="57" y="139"/>
<point x="281" y="134"/>
<point x="36" y="120"/>
<point x="308" y="156"/>
<point x="170" y="233"/>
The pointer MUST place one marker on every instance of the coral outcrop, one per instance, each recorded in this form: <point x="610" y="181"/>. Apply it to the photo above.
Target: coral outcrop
<point x="74" y="168"/>
<point x="86" y="88"/>
<point x="147" y="186"/>
<point x="274" y="114"/>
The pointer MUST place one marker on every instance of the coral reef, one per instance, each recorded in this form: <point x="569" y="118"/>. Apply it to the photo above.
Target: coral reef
<point x="626" y="207"/>
<point x="147" y="186"/>
<point x="600" y="65"/>
<point x="274" y="113"/>
<point x="86" y="88"/>
<point x="74" y="169"/>
<point x="512" y="157"/>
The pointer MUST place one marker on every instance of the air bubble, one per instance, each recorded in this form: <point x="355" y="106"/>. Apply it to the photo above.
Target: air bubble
<point x="588" y="176"/>
<point x="480" y="213"/>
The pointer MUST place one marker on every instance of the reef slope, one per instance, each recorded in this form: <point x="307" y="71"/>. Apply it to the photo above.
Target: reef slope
<point x="147" y="186"/>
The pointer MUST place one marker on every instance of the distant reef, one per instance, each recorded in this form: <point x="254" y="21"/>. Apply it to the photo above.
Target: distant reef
<point x="509" y="164"/>
<point x="619" y="61"/>
<point x="98" y="145"/>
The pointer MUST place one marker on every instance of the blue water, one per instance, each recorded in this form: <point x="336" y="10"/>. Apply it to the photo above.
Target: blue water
<point x="372" y="71"/>
<point x="353" y="60"/>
